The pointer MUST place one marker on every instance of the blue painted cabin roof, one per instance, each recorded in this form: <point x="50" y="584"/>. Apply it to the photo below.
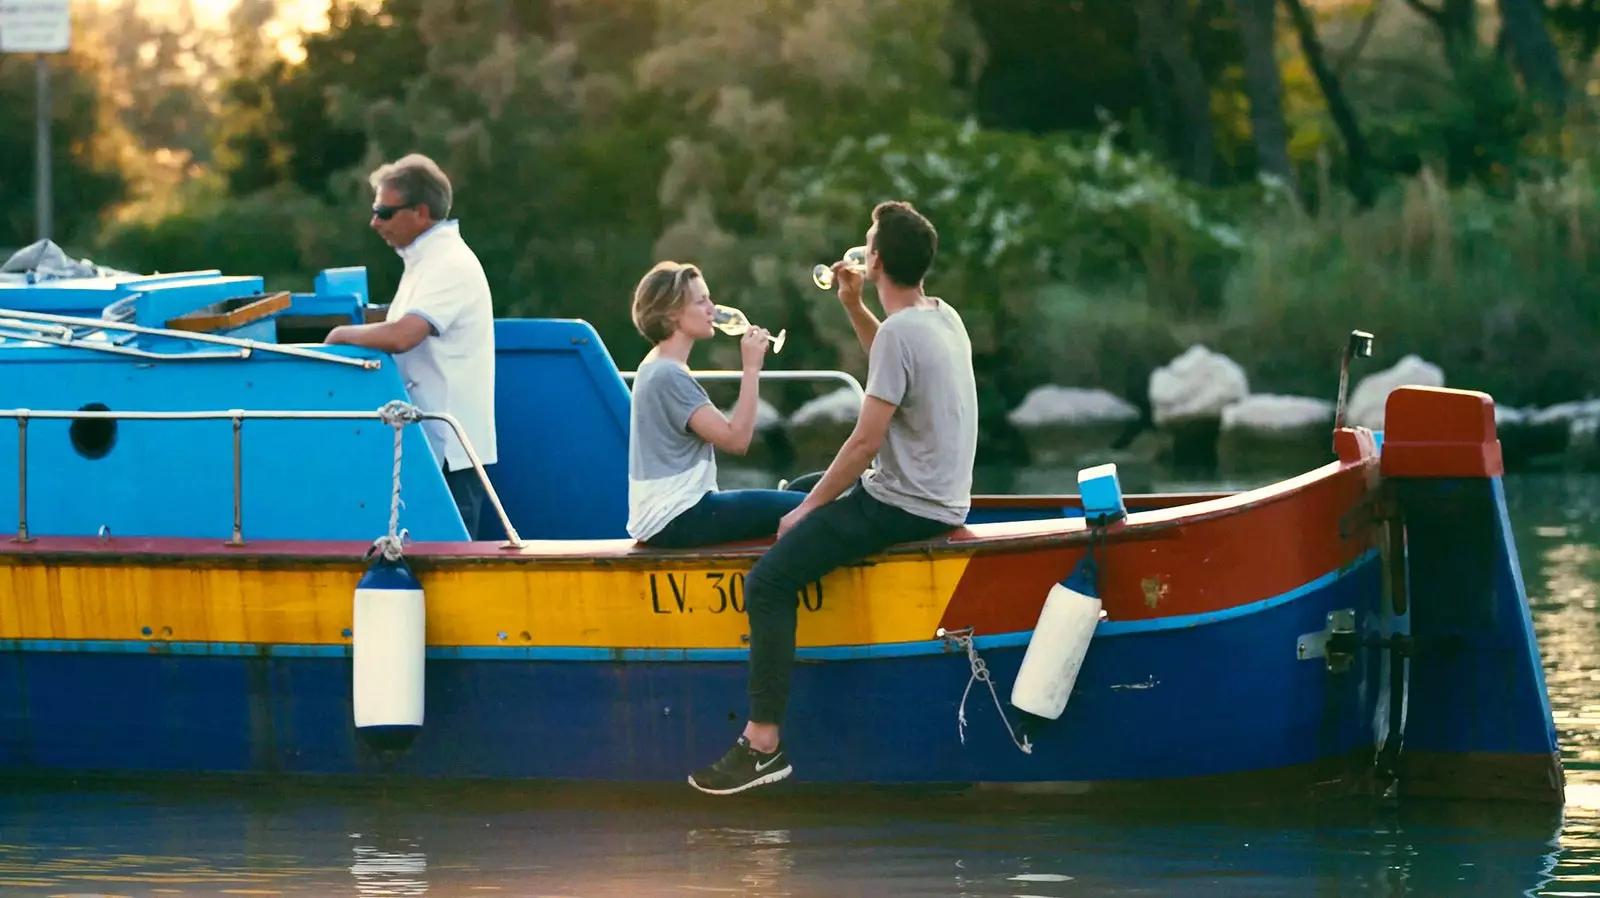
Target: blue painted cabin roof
<point x="561" y="407"/>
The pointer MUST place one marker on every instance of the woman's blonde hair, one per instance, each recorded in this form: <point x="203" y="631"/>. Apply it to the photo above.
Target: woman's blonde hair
<point x="660" y="294"/>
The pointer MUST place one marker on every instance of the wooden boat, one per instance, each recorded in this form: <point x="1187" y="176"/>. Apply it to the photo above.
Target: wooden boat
<point x="198" y="496"/>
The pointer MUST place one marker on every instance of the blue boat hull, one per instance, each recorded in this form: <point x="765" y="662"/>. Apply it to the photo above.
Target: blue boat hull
<point x="1189" y="697"/>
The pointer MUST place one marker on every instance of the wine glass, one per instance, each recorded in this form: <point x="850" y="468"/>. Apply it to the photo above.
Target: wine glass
<point x="855" y="259"/>
<point x="732" y="322"/>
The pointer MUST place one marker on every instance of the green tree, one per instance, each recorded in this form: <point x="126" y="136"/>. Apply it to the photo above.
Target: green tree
<point x="280" y="123"/>
<point x="85" y="178"/>
<point x="555" y="159"/>
<point x="159" y="76"/>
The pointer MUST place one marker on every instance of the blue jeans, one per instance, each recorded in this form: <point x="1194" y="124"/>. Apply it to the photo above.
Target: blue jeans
<point x="467" y="490"/>
<point x="727" y="516"/>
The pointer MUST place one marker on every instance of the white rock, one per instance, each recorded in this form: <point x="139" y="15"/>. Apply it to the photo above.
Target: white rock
<point x="1367" y="400"/>
<point x="1583" y="444"/>
<point x="1507" y="416"/>
<point x="1563" y="413"/>
<point x="1068" y="406"/>
<point x="842" y="406"/>
<point x="1270" y="413"/>
<point x="767" y="414"/>
<point x="1198" y="383"/>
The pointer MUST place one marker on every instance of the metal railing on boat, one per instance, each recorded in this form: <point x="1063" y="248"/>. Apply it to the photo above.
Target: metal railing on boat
<point x="238" y="417"/>
<point x="843" y="377"/>
<point x="62" y="330"/>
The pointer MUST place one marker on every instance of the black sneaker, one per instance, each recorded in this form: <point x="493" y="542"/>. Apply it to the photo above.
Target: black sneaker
<point x="741" y="768"/>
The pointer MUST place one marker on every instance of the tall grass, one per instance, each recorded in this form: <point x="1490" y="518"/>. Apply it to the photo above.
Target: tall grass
<point x="1499" y="292"/>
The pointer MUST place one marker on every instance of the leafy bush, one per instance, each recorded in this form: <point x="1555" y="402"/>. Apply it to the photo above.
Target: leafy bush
<point x="1015" y="209"/>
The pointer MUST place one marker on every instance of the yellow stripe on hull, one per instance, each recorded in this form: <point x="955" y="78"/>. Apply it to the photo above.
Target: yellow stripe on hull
<point x="682" y="606"/>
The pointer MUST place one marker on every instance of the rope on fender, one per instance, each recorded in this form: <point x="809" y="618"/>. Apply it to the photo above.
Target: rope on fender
<point x="397" y="414"/>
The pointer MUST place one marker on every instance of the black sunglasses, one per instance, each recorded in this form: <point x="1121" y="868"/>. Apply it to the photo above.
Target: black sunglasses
<point x="384" y="213"/>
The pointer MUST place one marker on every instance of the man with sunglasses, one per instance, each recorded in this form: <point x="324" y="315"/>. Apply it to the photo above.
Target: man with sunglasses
<point x="440" y="326"/>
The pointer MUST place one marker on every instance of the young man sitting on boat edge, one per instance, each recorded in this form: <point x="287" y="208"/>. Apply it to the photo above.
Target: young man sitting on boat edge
<point x="440" y="326"/>
<point x="675" y="430"/>
<point x="918" y="432"/>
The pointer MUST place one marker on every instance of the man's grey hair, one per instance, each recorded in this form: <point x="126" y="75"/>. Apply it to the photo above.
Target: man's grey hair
<point x="417" y="179"/>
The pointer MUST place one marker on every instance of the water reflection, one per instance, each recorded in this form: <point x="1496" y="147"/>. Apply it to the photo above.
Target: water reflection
<point x="1557" y="521"/>
<point x="518" y="842"/>
<point x="758" y="859"/>
<point x="379" y="872"/>
<point x="500" y="840"/>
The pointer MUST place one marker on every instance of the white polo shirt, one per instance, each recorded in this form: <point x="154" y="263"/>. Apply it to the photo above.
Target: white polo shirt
<point x="451" y="370"/>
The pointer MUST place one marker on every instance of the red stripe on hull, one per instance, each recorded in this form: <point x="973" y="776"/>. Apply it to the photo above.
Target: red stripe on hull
<point x="1259" y="549"/>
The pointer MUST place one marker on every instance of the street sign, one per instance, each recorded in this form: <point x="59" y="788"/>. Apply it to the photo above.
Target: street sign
<point x="35" y="26"/>
<point x="42" y="27"/>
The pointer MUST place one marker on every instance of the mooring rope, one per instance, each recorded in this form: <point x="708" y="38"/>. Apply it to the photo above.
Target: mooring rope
<point x="397" y="414"/>
<point x="980" y="672"/>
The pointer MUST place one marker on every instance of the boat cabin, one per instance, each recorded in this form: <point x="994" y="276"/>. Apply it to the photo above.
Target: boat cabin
<point x="206" y="344"/>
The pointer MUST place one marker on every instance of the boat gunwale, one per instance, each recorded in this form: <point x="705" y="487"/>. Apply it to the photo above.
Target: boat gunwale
<point x="985" y="538"/>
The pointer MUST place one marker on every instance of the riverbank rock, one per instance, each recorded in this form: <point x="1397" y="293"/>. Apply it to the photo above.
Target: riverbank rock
<point x="1370" y="396"/>
<point x="767" y="415"/>
<point x="1187" y="396"/>
<point x="1562" y="436"/>
<point x="1063" y="425"/>
<point x="1267" y="431"/>
<point x="1529" y="438"/>
<point x="819" y="427"/>
<point x="1583" y="443"/>
<point x="768" y="445"/>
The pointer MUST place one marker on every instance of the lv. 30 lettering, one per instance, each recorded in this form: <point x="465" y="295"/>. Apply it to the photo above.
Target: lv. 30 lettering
<point x="713" y="592"/>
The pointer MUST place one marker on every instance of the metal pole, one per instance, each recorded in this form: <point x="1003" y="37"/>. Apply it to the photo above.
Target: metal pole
<point x="14" y="316"/>
<point x="1358" y="346"/>
<point x="22" y="478"/>
<point x="41" y="187"/>
<point x="238" y="479"/>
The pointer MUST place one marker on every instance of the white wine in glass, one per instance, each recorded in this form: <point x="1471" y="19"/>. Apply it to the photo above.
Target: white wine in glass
<point x="855" y="259"/>
<point x="732" y="322"/>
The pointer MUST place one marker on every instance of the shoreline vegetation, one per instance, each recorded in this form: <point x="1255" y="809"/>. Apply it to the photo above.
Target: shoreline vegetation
<point x="1165" y="217"/>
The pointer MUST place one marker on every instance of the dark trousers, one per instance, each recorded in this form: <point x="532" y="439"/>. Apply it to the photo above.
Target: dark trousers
<point x="727" y="516"/>
<point x="848" y="529"/>
<point x="468" y="492"/>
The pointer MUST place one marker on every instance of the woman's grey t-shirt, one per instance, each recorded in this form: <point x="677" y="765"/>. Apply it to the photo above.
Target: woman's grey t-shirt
<point x="669" y="466"/>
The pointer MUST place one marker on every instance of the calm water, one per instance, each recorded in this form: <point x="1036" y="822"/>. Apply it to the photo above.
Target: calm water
<point x="185" y="840"/>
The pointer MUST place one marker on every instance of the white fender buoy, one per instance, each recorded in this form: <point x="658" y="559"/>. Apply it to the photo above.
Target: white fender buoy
<point x="389" y="647"/>
<point x="1055" y="652"/>
<point x="1071" y="611"/>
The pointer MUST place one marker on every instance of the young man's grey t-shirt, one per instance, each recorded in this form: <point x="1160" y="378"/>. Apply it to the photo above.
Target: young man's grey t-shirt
<point x="921" y="361"/>
<point x="669" y="466"/>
